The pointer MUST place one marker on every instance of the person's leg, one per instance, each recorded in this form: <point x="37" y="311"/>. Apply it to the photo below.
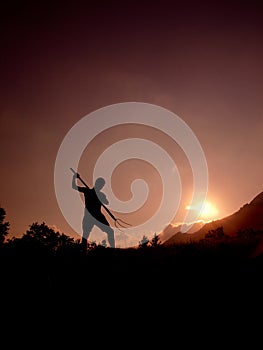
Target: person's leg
<point x="104" y="225"/>
<point x="87" y="225"/>
<point x="111" y="239"/>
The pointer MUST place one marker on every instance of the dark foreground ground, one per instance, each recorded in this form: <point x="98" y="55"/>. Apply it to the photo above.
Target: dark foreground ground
<point x="166" y="272"/>
<point x="150" y="293"/>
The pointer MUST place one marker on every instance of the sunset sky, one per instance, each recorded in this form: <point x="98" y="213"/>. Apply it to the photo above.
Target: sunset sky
<point x="61" y="61"/>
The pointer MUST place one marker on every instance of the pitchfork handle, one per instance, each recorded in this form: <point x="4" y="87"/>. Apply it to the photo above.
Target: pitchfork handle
<point x="74" y="172"/>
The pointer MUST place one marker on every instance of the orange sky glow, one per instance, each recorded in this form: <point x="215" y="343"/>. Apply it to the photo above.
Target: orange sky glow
<point x="202" y="61"/>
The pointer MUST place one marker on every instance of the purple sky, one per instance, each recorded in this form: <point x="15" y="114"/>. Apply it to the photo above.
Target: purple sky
<point x="59" y="62"/>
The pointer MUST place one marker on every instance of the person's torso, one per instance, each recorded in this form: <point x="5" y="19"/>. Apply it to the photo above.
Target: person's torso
<point x="92" y="202"/>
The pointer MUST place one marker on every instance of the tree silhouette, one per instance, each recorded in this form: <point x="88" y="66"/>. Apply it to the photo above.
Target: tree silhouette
<point x="4" y="225"/>
<point x="45" y="236"/>
<point x="216" y="233"/>
<point x="144" y="242"/>
<point x="155" y="241"/>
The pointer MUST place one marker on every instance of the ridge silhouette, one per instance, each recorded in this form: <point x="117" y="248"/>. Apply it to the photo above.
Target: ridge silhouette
<point x="249" y="216"/>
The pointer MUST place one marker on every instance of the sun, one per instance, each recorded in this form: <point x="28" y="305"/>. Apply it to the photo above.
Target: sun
<point x="206" y="210"/>
<point x="209" y="211"/>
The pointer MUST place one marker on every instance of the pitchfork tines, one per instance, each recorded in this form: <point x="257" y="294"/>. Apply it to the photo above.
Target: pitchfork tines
<point x="119" y="224"/>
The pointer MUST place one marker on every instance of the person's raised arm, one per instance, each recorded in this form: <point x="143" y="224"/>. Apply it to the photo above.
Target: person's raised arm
<point x="74" y="177"/>
<point x="74" y="185"/>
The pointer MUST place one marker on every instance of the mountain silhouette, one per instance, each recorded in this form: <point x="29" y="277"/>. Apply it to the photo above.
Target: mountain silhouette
<point x="249" y="216"/>
<point x="171" y="230"/>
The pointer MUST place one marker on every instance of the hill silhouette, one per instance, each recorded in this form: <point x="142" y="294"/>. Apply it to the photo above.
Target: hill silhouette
<point x="248" y="217"/>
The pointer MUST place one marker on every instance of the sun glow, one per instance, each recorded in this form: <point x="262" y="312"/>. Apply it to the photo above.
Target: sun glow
<point x="207" y="210"/>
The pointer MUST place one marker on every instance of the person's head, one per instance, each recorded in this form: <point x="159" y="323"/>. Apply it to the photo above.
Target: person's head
<point x="99" y="183"/>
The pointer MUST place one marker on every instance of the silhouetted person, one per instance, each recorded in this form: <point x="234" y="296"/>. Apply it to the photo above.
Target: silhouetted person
<point x="93" y="214"/>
